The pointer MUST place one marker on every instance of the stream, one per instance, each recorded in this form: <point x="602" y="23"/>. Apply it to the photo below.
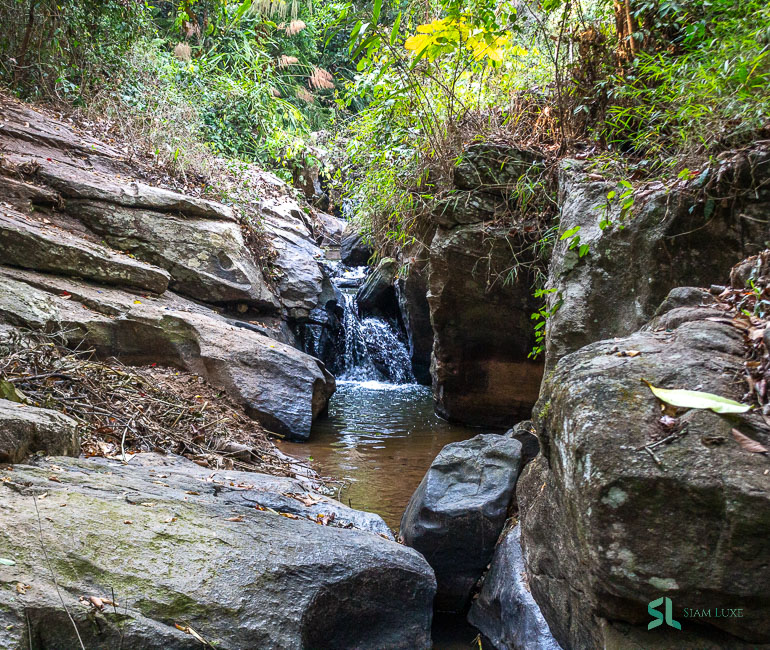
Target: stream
<point x="379" y="438"/>
<point x="381" y="433"/>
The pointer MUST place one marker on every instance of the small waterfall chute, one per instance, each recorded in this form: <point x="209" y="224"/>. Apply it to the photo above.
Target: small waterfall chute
<point x="374" y="351"/>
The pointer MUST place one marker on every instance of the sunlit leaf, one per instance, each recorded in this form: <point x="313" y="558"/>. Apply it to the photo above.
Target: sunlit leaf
<point x="694" y="399"/>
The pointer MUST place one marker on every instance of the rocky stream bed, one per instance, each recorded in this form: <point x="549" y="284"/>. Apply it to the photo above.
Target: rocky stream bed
<point x="551" y="503"/>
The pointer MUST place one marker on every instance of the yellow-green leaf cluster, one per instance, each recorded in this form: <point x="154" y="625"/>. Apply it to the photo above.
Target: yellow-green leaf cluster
<point x="447" y="34"/>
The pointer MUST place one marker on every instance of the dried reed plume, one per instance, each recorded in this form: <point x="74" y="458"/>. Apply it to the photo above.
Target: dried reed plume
<point x="321" y="78"/>
<point x="285" y="61"/>
<point x="183" y="52"/>
<point x="305" y="95"/>
<point x="295" y="27"/>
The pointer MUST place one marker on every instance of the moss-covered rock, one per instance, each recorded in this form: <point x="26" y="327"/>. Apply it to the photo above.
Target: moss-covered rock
<point x="175" y="546"/>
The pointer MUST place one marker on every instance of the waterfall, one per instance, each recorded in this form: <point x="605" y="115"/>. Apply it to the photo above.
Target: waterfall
<point x="374" y="350"/>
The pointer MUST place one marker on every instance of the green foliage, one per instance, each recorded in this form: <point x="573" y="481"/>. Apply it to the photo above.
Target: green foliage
<point x="707" y="94"/>
<point x="541" y="317"/>
<point x="247" y="79"/>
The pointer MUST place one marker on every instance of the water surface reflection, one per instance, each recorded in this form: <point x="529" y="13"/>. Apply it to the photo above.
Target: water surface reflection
<point x="380" y="438"/>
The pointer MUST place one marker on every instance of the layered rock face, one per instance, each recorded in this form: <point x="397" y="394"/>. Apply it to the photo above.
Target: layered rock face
<point x="685" y="234"/>
<point x="612" y="521"/>
<point x="276" y="383"/>
<point x="88" y="246"/>
<point x="457" y="513"/>
<point x="412" y="294"/>
<point x="185" y="555"/>
<point x="482" y="327"/>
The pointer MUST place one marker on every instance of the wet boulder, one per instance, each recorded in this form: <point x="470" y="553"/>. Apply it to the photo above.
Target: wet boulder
<point x="480" y="308"/>
<point x="505" y="611"/>
<point x="183" y="556"/>
<point x="354" y="251"/>
<point x="377" y="295"/>
<point x="623" y="507"/>
<point x="25" y="430"/>
<point x="457" y="513"/>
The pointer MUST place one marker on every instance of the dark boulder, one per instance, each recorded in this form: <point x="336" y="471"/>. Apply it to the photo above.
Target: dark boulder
<point x="354" y="251"/>
<point x="524" y="432"/>
<point x="456" y="514"/>
<point x="481" y="302"/>
<point x="377" y="295"/>
<point x="505" y="611"/>
<point x="611" y="522"/>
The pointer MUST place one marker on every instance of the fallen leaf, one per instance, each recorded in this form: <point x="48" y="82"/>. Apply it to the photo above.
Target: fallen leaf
<point x="192" y="492"/>
<point x="96" y="602"/>
<point x="6" y="562"/>
<point x="170" y="520"/>
<point x="22" y="588"/>
<point x="148" y="504"/>
<point x="748" y="444"/>
<point x="288" y="515"/>
<point x="55" y="479"/>
<point x="238" y="518"/>
<point x="694" y="399"/>
<point x="128" y="521"/>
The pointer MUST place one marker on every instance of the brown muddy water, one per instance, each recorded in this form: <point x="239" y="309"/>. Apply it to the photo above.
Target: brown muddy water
<point x="379" y="438"/>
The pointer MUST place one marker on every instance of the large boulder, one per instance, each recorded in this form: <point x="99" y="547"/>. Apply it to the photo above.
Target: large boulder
<point x="377" y="295"/>
<point x="624" y="507"/>
<point x="492" y="167"/>
<point x="354" y="251"/>
<point x="672" y="237"/>
<point x="481" y="301"/>
<point x="465" y="207"/>
<point x="300" y="279"/>
<point x="176" y="555"/>
<point x="33" y="244"/>
<point x="207" y="258"/>
<point x="279" y="385"/>
<point x="505" y="611"/>
<point x="457" y="513"/>
<point x="25" y="430"/>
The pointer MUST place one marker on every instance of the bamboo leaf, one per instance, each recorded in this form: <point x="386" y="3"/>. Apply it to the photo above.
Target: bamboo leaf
<point x="376" y="11"/>
<point x="694" y="399"/>
<point x="394" y="31"/>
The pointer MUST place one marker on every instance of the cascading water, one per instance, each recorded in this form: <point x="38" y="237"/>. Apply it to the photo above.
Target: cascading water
<point x="373" y="349"/>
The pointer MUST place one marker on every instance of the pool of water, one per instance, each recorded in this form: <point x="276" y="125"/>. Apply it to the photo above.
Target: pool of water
<point x="379" y="438"/>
